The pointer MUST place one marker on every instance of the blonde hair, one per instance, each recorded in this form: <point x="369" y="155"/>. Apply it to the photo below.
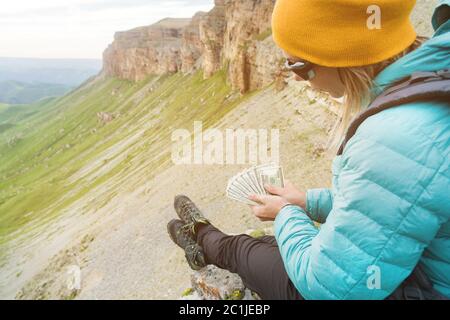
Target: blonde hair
<point x="358" y="82"/>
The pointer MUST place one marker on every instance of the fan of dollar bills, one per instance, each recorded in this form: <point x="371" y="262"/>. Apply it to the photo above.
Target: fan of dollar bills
<point x="252" y="181"/>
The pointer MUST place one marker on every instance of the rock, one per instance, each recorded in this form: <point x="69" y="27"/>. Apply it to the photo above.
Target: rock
<point x="212" y="29"/>
<point x="212" y="283"/>
<point x="143" y="51"/>
<point x="192" y="46"/>
<point x="14" y="140"/>
<point x="253" y="62"/>
<point x="234" y="35"/>
<point x="105" y="117"/>
<point x="318" y="150"/>
<point x="280" y="81"/>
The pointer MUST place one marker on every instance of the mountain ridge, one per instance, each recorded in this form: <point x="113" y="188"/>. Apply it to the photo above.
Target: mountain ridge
<point x="16" y="92"/>
<point x="70" y="72"/>
<point x="232" y="36"/>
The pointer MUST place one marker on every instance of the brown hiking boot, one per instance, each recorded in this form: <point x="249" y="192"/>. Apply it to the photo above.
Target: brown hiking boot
<point x="189" y="214"/>
<point x="182" y="237"/>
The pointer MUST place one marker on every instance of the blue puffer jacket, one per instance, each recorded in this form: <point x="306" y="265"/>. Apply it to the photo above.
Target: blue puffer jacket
<point x="390" y="205"/>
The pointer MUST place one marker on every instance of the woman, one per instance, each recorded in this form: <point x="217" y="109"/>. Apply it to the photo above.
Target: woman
<point x="387" y="217"/>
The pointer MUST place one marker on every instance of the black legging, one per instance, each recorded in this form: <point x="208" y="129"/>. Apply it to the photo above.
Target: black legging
<point x="257" y="261"/>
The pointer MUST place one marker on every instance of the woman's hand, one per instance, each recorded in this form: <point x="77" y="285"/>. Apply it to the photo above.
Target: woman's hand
<point x="269" y="206"/>
<point x="272" y="204"/>
<point x="290" y="193"/>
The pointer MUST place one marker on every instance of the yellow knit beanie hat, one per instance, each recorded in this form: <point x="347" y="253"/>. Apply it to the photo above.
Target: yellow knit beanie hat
<point x="343" y="33"/>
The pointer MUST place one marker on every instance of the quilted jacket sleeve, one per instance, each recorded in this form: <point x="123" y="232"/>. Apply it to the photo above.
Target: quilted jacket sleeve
<point x="391" y="198"/>
<point x="319" y="203"/>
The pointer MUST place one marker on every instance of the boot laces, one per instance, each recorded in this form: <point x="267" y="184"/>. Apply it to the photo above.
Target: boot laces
<point x="191" y="211"/>
<point x="195" y="216"/>
<point x="193" y="252"/>
<point x="188" y="228"/>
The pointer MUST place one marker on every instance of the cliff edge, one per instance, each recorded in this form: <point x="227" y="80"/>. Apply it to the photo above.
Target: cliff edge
<point x="234" y="34"/>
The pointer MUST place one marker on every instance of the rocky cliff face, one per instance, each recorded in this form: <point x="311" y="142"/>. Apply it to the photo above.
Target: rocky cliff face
<point x="235" y="35"/>
<point x="192" y="45"/>
<point x="253" y="57"/>
<point x="137" y="53"/>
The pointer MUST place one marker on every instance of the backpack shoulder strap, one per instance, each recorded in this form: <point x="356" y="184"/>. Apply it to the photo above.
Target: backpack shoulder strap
<point x="420" y="86"/>
<point x="417" y="287"/>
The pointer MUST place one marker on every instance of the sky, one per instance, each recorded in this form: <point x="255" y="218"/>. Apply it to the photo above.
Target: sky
<point x="79" y="29"/>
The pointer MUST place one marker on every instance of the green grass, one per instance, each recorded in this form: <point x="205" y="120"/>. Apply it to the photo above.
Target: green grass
<point x="14" y="92"/>
<point x="187" y="292"/>
<point x="264" y="35"/>
<point x="257" y="234"/>
<point x="16" y="113"/>
<point x="54" y="139"/>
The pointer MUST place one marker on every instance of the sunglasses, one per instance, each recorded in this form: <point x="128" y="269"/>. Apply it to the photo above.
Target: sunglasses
<point x="303" y="69"/>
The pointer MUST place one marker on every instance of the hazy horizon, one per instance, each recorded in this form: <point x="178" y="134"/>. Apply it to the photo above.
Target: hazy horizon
<point x="27" y="80"/>
<point x="80" y="29"/>
<point x="37" y="58"/>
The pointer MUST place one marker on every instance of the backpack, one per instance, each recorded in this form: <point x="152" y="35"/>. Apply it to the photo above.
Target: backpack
<point x="420" y="86"/>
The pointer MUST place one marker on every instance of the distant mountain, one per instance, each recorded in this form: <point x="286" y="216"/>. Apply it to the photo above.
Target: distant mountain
<point x="24" y="81"/>
<point x="68" y="72"/>
<point x="14" y="92"/>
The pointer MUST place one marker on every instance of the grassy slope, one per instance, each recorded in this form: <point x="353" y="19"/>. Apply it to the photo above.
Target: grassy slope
<point x="54" y="159"/>
<point x="14" y="92"/>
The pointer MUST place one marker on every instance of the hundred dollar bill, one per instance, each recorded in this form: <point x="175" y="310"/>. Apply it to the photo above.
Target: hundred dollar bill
<point x="272" y="176"/>
<point x="252" y="181"/>
<point x="241" y="199"/>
